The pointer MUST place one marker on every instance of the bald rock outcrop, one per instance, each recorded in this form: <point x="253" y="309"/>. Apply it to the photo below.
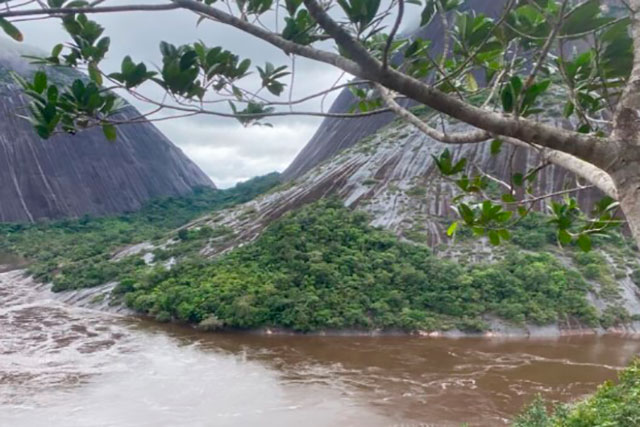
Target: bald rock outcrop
<point x="84" y="174"/>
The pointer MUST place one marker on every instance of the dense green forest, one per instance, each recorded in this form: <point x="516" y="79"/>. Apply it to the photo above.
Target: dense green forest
<point x="612" y="405"/>
<point x="324" y="267"/>
<point x="77" y="252"/>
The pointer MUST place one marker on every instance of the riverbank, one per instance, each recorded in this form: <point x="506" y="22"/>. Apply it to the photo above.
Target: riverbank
<point x="99" y="298"/>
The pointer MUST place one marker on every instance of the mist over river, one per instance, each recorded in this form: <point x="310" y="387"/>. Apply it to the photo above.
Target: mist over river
<point x="62" y="365"/>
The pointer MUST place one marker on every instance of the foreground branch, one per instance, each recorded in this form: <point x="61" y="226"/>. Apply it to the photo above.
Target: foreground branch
<point x="104" y="9"/>
<point x="587" y="147"/>
<point x="361" y="64"/>
<point x="453" y="138"/>
<point x="582" y="169"/>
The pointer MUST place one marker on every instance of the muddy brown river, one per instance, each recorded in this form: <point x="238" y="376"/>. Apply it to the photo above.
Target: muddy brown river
<point x="61" y="365"/>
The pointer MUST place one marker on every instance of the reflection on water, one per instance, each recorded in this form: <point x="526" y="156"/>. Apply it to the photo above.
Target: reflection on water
<point x="66" y="366"/>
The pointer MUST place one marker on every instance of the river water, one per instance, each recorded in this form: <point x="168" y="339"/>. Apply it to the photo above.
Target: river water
<point x="62" y="365"/>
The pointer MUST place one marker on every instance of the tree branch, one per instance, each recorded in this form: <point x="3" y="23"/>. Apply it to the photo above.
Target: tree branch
<point x="453" y="138"/>
<point x="276" y="40"/>
<point x="105" y="9"/>
<point x="392" y="34"/>
<point x="546" y="48"/>
<point x="599" y="151"/>
<point x="626" y="122"/>
<point x="584" y="170"/>
<point x="361" y="64"/>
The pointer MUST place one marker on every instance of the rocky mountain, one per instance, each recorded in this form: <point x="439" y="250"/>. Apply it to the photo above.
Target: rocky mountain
<point x="392" y="176"/>
<point x="70" y="176"/>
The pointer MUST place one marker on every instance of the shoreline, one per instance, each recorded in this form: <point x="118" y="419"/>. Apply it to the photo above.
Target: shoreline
<point x="86" y="298"/>
<point x="632" y="333"/>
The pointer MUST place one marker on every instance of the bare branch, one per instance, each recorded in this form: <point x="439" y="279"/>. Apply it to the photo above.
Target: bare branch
<point x="447" y="35"/>
<point x="105" y="9"/>
<point x="204" y="111"/>
<point x="392" y="34"/>
<point x="626" y="122"/>
<point x="550" y="195"/>
<point x="546" y="48"/>
<point x="585" y="170"/>
<point x="454" y="138"/>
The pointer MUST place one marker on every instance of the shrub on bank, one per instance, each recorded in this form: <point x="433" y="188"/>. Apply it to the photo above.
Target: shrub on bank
<point x="612" y="405"/>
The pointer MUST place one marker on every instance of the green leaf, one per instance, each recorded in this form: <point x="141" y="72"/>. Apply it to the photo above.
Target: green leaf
<point x="40" y="81"/>
<point x="518" y="179"/>
<point x="584" y="17"/>
<point x="94" y="73"/>
<point x="516" y="84"/>
<point x="564" y="237"/>
<point x="11" y="30"/>
<point x="508" y="198"/>
<point x="504" y="234"/>
<point x="507" y="99"/>
<point x="452" y="229"/>
<point x="494" y="237"/>
<point x="428" y="12"/>
<point x="472" y="84"/>
<point x="109" y="131"/>
<point x="77" y="3"/>
<point x="56" y="50"/>
<point x="584" y="242"/>
<point x="568" y="109"/>
<point x="466" y="213"/>
<point x="496" y="146"/>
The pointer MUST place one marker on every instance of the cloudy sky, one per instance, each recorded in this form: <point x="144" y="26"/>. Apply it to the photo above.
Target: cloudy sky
<point x="224" y="149"/>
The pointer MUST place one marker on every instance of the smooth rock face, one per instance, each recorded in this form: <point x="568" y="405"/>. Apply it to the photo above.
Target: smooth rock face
<point x="70" y="176"/>
<point x="392" y="176"/>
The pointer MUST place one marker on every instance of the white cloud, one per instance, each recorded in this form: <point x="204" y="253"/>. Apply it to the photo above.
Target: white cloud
<point x="229" y="153"/>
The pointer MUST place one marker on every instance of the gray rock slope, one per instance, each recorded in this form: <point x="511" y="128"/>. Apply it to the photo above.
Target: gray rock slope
<point x="70" y="176"/>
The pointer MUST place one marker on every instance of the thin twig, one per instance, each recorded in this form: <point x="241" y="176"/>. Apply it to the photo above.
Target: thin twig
<point x="392" y="34"/>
